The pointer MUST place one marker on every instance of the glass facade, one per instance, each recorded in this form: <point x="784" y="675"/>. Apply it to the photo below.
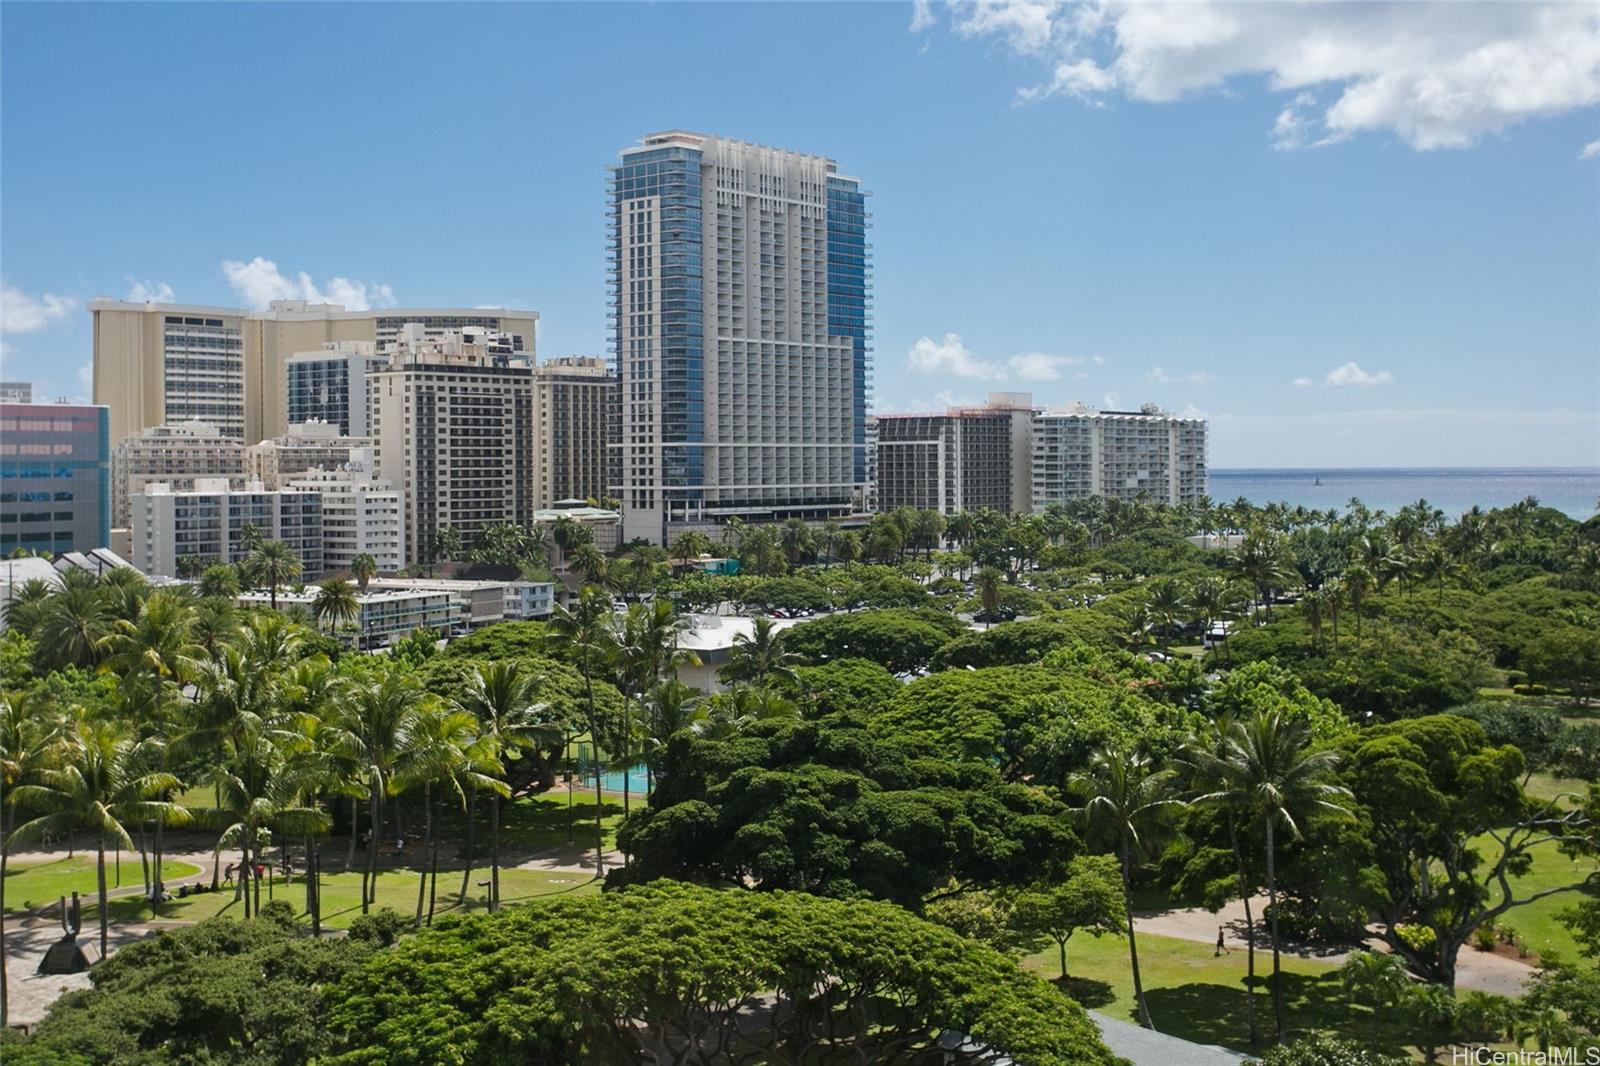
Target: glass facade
<point x="660" y="342"/>
<point x="55" y="477"/>
<point x="847" y="295"/>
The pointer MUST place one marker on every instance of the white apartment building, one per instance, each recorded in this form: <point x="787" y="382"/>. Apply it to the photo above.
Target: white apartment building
<point x="572" y="400"/>
<point x="482" y="603"/>
<point x="209" y="522"/>
<point x="176" y="455"/>
<point x="330" y="385"/>
<point x="453" y="431"/>
<point x="383" y="616"/>
<point x="1145" y="454"/>
<point x="739" y="286"/>
<point x="361" y="514"/>
<point x="305" y="446"/>
<point x="163" y="363"/>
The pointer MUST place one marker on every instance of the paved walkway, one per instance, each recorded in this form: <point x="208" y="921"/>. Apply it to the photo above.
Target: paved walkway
<point x="1480" y="970"/>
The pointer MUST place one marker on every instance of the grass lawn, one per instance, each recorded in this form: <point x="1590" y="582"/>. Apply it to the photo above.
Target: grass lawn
<point x="1547" y="786"/>
<point x="341" y="896"/>
<point x="1536" y="923"/>
<point x="1201" y="998"/>
<point x="30" y="885"/>
<point x="539" y="823"/>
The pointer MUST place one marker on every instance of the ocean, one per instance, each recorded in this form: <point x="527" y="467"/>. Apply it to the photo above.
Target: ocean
<point x="1573" y="490"/>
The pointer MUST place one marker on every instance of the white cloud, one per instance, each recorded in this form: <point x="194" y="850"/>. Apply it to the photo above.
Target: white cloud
<point x="1026" y="25"/>
<point x="151" y="292"/>
<point x="921" y="16"/>
<point x="1194" y="377"/>
<point x="85" y="382"/>
<point x="259" y="282"/>
<point x="1352" y="374"/>
<point x="1590" y="150"/>
<point x="22" y="313"/>
<point x="1436" y="74"/>
<point x="1111" y="401"/>
<point x="949" y="356"/>
<point x="1303" y="383"/>
<point x="1041" y="366"/>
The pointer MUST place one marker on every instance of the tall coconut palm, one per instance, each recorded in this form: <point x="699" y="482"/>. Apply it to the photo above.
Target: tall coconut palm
<point x="277" y="565"/>
<point x="258" y="794"/>
<point x="1273" y="773"/>
<point x="591" y="562"/>
<point x="687" y="547"/>
<point x="363" y="568"/>
<point x="1358" y="585"/>
<point x="335" y="604"/>
<point x="1314" y="606"/>
<point x="378" y="721"/>
<point x="220" y="581"/>
<point x="73" y="625"/>
<point x="1169" y="607"/>
<point x="99" y="785"/>
<point x="1128" y="800"/>
<point x="25" y="604"/>
<point x="1212" y="774"/>
<point x="448" y="748"/>
<point x="760" y="657"/>
<point x="504" y="698"/>
<point x="583" y="635"/>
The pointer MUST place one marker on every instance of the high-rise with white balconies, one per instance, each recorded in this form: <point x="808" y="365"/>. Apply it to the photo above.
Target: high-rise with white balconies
<point x="1146" y="454"/>
<point x="739" y="286"/>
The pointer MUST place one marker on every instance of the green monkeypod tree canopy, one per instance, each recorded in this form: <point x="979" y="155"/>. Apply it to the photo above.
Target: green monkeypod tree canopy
<point x="675" y="973"/>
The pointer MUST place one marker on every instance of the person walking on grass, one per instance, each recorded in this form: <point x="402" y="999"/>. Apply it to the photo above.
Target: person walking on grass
<point x="1222" y="947"/>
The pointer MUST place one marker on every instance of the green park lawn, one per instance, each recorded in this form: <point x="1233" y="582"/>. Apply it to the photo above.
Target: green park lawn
<point x="1201" y="998"/>
<point x="1536" y="923"/>
<point x="36" y="884"/>
<point x="341" y="896"/>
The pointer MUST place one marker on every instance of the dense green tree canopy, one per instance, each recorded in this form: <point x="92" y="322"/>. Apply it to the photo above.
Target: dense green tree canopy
<point x="668" y="969"/>
<point x="899" y="640"/>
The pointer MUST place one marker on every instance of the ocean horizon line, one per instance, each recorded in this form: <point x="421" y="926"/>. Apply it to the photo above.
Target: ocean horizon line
<point x="1402" y="469"/>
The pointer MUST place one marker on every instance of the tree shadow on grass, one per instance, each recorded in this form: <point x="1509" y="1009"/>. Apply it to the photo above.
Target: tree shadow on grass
<point x="1086" y="991"/>
<point x="1210" y="1013"/>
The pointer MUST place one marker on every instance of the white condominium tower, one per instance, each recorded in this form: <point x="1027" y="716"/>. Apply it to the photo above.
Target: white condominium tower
<point x="739" y="288"/>
<point x="160" y="364"/>
<point x="1148" y="453"/>
<point x="572" y="401"/>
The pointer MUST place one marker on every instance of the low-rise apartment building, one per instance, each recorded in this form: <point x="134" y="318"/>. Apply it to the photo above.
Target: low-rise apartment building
<point x="209" y="522"/>
<point x="1147" y="454"/>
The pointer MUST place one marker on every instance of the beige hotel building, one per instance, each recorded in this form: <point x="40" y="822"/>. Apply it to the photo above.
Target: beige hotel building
<point x="162" y="364"/>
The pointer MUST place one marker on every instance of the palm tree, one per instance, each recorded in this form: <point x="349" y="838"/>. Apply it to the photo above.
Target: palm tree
<point x="1357" y="586"/>
<point x="1205" y="754"/>
<point x="1126" y="798"/>
<point x="448" y="747"/>
<point x="99" y="784"/>
<point x="760" y="657"/>
<point x="27" y="738"/>
<point x="988" y="581"/>
<point x="847" y="547"/>
<point x="446" y="545"/>
<point x="1273" y="773"/>
<point x="250" y="537"/>
<point x="796" y="539"/>
<point x="688" y="547"/>
<point x="277" y="565"/>
<point x="1169" y="607"/>
<point x="335" y="604"/>
<point x="364" y="568"/>
<point x="220" y="581"/>
<point x="1314" y="606"/>
<point x="504" y="698"/>
<point x="73" y="625"/>
<point x="380" y="719"/>
<point x="257" y="792"/>
<point x="591" y="562"/>
<point x="584" y="633"/>
<point x="729" y="713"/>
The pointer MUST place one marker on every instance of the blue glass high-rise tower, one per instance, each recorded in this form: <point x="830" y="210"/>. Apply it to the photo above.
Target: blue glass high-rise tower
<point x="739" y="294"/>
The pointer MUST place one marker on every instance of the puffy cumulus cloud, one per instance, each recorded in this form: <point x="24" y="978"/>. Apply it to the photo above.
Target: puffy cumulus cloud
<point x="259" y="282"/>
<point x="1436" y="74"/>
<point x="921" y="15"/>
<point x="1041" y="366"/>
<point x="949" y="356"/>
<point x="149" y="292"/>
<point x="21" y="312"/>
<point x="1352" y="374"/>
<point x="1590" y="150"/>
<point x="1160" y="376"/>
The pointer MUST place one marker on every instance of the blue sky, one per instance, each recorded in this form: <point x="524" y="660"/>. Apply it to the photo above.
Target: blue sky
<point x="1380" y="251"/>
